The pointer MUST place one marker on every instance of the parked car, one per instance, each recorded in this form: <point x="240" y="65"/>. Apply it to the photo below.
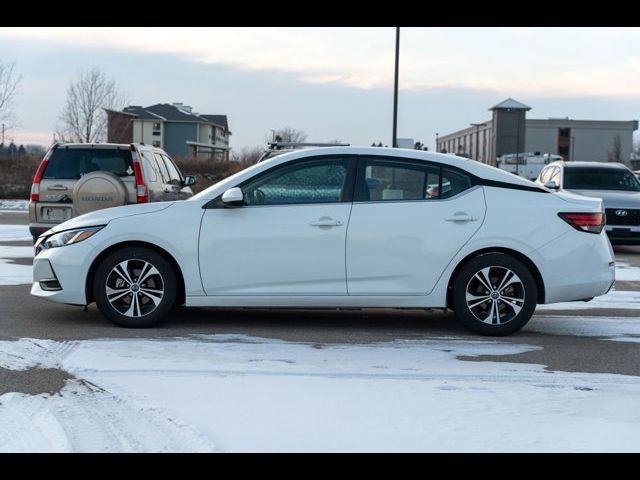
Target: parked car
<point x="278" y="148"/>
<point x="77" y="178"/>
<point x="614" y="183"/>
<point x="306" y="229"/>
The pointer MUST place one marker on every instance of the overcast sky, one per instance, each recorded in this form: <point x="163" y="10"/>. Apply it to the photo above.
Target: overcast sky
<point x="334" y="83"/>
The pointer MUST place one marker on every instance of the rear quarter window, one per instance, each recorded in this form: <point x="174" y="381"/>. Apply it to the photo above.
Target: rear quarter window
<point x="73" y="163"/>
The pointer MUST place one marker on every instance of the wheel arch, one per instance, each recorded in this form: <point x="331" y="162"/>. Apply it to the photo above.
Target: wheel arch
<point x="537" y="276"/>
<point x="117" y="246"/>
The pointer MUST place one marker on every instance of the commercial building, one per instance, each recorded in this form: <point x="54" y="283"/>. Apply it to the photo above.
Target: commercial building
<point x="509" y="131"/>
<point x="173" y="127"/>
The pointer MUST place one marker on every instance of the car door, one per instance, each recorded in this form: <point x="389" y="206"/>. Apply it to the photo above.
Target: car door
<point x="288" y="238"/>
<point x="408" y="221"/>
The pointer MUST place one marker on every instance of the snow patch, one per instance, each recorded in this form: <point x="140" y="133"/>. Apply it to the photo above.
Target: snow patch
<point x="14" y="204"/>
<point x="239" y="393"/>
<point x="627" y="272"/>
<point x="619" y="299"/>
<point x="14" y="233"/>
<point x="13" y="273"/>
<point x="623" y="329"/>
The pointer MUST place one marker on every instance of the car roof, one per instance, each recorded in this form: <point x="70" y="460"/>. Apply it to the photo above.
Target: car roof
<point x="474" y="167"/>
<point x="94" y="145"/>
<point x="611" y="165"/>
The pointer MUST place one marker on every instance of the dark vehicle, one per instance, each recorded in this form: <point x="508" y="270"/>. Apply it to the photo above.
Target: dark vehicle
<point x="614" y="183"/>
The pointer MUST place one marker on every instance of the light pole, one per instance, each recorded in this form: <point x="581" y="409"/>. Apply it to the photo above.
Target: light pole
<point x="518" y="149"/>
<point x="437" y="142"/>
<point x="394" y="142"/>
<point x="477" y="125"/>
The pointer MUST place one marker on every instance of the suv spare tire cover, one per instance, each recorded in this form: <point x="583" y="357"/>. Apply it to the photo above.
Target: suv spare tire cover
<point x="98" y="190"/>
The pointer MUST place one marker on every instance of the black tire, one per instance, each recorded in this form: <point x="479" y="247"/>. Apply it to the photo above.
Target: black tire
<point x="149" y="308"/>
<point x="503" y="313"/>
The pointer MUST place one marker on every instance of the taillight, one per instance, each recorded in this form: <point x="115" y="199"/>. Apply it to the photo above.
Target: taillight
<point x="35" y="186"/>
<point x="142" y="193"/>
<point x="585" y="222"/>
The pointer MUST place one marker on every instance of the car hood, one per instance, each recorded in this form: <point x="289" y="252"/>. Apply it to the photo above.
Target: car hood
<point x="104" y="216"/>
<point x="613" y="198"/>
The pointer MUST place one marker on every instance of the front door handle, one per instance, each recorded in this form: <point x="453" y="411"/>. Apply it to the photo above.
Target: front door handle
<point x="326" y="222"/>
<point x="461" y="217"/>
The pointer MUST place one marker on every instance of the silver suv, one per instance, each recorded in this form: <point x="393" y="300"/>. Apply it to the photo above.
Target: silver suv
<point x="77" y="178"/>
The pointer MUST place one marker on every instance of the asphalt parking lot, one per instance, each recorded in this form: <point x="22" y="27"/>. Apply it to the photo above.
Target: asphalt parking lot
<point x="23" y="316"/>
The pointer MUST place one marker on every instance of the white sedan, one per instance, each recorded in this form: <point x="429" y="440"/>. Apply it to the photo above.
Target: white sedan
<point x="338" y="227"/>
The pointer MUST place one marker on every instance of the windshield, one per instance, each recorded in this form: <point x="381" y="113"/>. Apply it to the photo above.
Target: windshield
<point x="600" y="179"/>
<point x="72" y="163"/>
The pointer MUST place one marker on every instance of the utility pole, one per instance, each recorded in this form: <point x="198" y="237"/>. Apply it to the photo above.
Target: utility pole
<point x="394" y="142"/>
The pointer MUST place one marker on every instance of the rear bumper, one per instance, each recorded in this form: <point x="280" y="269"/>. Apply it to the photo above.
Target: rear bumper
<point x="37" y="230"/>
<point x="577" y="266"/>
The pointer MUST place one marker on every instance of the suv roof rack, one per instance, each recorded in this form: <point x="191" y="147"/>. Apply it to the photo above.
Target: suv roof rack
<point x="281" y="145"/>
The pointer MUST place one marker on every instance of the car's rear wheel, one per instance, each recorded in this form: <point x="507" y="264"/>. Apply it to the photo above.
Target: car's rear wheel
<point x="135" y="287"/>
<point x="494" y="294"/>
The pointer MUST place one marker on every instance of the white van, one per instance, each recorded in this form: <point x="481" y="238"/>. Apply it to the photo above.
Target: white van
<point x="529" y="164"/>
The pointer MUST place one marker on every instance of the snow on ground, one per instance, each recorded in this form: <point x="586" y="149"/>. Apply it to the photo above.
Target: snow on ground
<point x="627" y="272"/>
<point x="239" y="393"/>
<point x="13" y="233"/>
<point x="13" y="273"/>
<point x="621" y="329"/>
<point x="618" y="299"/>
<point x="14" y="204"/>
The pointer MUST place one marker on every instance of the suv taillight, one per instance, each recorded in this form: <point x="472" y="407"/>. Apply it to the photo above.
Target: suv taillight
<point x="35" y="186"/>
<point x="585" y="222"/>
<point x="142" y="193"/>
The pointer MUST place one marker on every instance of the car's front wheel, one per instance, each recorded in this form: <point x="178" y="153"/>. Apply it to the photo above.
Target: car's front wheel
<point x="494" y="294"/>
<point x="135" y="287"/>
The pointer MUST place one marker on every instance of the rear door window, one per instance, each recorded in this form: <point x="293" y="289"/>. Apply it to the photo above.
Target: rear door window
<point x="174" y="174"/>
<point x="164" y="173"/>
<point x="73" y="163"/>
<point x="150" y="166"/>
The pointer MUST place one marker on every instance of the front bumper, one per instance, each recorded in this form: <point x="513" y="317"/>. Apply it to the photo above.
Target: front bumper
<point x="623" y="235"/>
<point x="69" y="265"/>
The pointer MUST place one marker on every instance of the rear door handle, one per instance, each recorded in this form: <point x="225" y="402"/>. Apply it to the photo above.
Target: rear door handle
<point x="58" y="187"/>
<point x="326" y="222"/>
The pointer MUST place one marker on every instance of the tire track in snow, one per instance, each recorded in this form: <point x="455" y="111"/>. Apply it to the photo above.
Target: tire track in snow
<point x="83" y="417"/>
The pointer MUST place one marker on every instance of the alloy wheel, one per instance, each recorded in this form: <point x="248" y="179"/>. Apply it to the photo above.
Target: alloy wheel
<point x="134" y="288"/>
<point x="495" y="295"/>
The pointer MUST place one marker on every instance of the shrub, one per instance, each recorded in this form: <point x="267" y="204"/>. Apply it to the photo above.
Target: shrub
<point x="16" y="175"/>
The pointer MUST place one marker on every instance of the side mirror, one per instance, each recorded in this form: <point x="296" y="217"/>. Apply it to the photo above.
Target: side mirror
<point x="233" y="197"/>
<point x="551" y="185"/>
<point x="188" y="181"/>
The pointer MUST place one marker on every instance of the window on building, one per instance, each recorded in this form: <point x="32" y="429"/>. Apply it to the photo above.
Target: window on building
<point x="157" y="128"/>
<point x="156" y="143"/>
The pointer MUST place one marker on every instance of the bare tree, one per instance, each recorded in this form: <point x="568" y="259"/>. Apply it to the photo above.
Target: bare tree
<point x="289" y="135"/>
<point x="9" y="86"/>
<point x="615" y="154"/>
<point x="247" y="156"/>
<point x="83" y="117"/>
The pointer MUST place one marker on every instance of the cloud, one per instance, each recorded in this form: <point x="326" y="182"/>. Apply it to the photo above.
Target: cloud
<point x="510" y="60"/>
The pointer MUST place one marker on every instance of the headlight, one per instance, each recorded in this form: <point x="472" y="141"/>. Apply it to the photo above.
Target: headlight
<point x="68" y="237"/>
